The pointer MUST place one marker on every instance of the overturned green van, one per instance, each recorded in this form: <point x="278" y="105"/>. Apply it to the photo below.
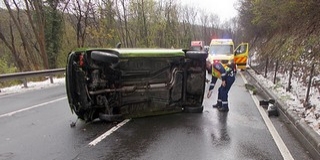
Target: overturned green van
<point x="113" y="84"/>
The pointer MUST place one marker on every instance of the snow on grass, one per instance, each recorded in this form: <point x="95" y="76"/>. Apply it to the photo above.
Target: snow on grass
<point x="295" y="99"/>
<point x="32" y="86"/>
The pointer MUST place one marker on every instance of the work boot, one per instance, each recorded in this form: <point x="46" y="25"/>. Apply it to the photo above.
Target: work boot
<point x="216" y="105"/>
<point x="223" y="109"/>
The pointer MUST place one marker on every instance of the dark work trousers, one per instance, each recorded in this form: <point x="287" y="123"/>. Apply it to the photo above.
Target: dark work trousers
<point x="223" y="92"/>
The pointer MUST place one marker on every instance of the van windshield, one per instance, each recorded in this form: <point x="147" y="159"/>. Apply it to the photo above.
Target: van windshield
<point x="221" y="50"/>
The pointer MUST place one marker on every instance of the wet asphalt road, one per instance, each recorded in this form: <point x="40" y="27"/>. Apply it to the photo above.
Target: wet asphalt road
<point x="42" y="131"/>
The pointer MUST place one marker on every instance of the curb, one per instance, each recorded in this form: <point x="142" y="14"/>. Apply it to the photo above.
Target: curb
<point x="304" y="133"/>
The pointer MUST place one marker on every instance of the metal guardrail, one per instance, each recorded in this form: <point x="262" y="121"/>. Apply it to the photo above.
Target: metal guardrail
<point x="24" y="75"/>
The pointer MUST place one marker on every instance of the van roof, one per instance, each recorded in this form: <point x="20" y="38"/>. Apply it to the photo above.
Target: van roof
<point x="221" y="41"/>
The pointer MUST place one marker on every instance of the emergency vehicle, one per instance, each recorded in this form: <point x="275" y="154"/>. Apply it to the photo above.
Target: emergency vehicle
<point x="223" y="50"/>
<point x="197" y="45"/>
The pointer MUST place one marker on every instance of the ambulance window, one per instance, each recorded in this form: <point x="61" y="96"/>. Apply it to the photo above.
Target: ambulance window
<point x="221" y="50"/>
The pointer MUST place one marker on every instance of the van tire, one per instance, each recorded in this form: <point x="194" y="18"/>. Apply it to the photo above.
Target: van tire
<point x="111" y="57"/>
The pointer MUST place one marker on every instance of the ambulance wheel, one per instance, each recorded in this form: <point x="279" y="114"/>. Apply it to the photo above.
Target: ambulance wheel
<point x="190" y="109"/>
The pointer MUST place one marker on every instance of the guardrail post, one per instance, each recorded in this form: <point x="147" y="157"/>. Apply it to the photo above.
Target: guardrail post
<point x="309" y="85"/>
<point x="275" y="72"/>
<point x="266" y="69"/>
<point x="51" y="79"/>
<point x="25" y="85"/>
<point x="290" y="76"/>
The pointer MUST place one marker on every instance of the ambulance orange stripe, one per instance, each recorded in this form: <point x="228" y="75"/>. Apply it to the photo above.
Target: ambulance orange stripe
<point x="241" y="60"/>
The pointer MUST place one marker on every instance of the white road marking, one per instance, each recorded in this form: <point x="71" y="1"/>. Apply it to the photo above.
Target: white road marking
<point x="32" y="107"/>
<point x="275" y="135"/>
<point x="109" y="132"/>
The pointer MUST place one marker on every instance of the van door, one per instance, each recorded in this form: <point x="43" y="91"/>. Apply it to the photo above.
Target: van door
<point x="241" y="55"/>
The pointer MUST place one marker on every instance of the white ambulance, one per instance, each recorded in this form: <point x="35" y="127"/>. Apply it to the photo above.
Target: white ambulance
<point x="223" y="50"/>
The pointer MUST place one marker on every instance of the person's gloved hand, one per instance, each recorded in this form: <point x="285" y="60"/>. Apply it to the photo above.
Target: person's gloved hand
<point x="223" y="83"/>
<point x="209" y="93"/>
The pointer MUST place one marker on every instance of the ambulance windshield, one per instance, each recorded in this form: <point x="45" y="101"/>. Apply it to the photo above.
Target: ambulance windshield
<point x="221" y="50"/>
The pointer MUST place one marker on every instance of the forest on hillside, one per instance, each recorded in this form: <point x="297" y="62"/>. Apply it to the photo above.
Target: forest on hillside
<point x="284" y="34"/>
<point x="289" y="23"/>
<point x="39" y="34"/>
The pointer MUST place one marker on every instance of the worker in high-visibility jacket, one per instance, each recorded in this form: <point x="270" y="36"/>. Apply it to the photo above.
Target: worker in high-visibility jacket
<point x="227" y="75"/>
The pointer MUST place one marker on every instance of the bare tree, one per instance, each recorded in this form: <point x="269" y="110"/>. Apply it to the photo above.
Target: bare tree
<point x="105" y="31"/>
<point x="204" y="19"/>
<point x="79" y="15"/>
<point x="214" y="23"/>
<point x="122" y="15"/>
<point x="20" y="25"/>
<point x="12" y="47"/>
<point x="37" y="25"/>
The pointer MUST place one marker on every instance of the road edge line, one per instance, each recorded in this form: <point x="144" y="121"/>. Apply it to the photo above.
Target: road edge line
<point x="274" y="133"/>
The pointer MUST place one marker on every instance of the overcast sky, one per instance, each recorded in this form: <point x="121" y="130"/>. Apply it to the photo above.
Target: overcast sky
<point x="223" y="8"/>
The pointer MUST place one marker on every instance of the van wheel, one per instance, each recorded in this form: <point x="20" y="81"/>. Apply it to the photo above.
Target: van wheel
<point x="105" y="56"/>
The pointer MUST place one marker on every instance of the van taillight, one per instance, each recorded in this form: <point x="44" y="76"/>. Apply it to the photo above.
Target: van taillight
<point x="81" y="60"/>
